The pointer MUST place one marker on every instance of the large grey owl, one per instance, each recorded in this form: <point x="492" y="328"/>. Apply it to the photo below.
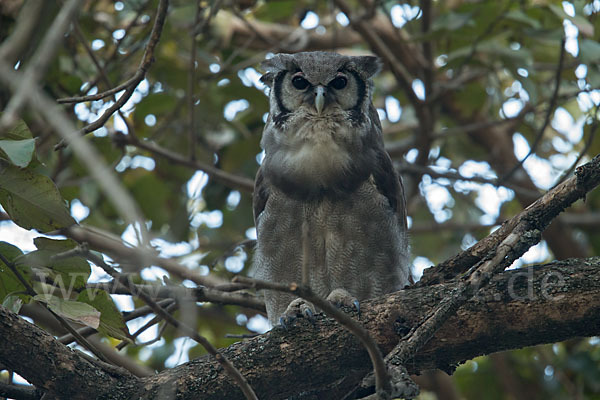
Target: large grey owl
<point x="326" y="194"/>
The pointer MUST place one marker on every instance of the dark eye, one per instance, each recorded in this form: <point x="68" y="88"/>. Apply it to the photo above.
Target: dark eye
<point x="339" y="83"/>
<point x="300" y="83"/>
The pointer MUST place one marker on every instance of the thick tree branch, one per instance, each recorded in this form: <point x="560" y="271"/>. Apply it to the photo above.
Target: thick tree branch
<point x="58" y="369"/>
<point x="519" y="308"/>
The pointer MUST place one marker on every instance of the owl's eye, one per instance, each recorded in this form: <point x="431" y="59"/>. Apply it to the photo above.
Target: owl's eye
<point x="339" y="83"/>
<point x="300" y="83"/>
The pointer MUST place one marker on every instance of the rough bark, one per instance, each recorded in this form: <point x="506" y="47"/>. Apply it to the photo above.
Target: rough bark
<point x="542" y="304"/>
<point x="50" y="365"/>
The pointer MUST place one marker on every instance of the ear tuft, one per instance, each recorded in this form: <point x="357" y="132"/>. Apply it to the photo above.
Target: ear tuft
<point x="273" y="65"/>
<point x="368" y="65"/>
<point x="267" y="78"/>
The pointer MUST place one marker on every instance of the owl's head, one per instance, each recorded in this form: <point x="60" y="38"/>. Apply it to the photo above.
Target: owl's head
<point x="322" y="133"/>
<point x="317" y="81"/>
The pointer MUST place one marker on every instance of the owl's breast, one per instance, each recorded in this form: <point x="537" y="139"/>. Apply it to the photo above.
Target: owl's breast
<point x="311" y="152"/>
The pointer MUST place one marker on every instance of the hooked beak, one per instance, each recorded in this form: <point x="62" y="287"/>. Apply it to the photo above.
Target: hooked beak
<point x="319" y="98"/>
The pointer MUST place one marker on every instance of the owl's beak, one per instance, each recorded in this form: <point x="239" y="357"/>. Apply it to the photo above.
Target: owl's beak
<point x="319" y="98"/>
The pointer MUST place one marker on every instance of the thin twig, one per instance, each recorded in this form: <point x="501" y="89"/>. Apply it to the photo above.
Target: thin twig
<point x="586" y="147"/>
<point x="549" y="113"/>
<point x="27" y="22"/>
<point x="191" y="100"/>
<point x="200" y="294"/>
<point x="456" y="176"/>
<point x="92" y="97"/>
<point x="89" y="156"/>
<point x="39" y="62"/>
<point x="489" y="29"/>
<point x="170" y="308"/>
<point x="226" y="178"/>
<point x="113" y="246"/>
<point x="140" y="74"/>
<point x="127" y="316"/>
<point x="510" y="249"/>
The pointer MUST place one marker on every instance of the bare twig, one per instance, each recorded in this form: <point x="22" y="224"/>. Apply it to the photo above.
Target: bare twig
<point x="455" y="176"/>
<point x="27" y="21"/>
<point x="39" y="63"/>
<point x="140" y="257"/>
<point x="191" y="84"/>
<point x="146" y="62"/>
<point x="489" y="29"/>
<point x="127" y="316"/>
<point x="586" y="147"/>
<point x="226" y="178"/>
<point x="549" y="113"/>
<point x="202" y="294"/>
<point x="510" y="249"/>
<point x="20" y="392"/>
<point x="170" y="308"/>
<point x="140" y="74"/>
<point x="134" y="80"/>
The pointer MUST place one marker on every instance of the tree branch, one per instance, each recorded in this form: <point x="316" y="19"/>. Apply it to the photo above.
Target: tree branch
<point x="519" y="308"/>
<point x="61" y="371"/>
<point x="538" y="215"/>
<point x="228" y="179"/>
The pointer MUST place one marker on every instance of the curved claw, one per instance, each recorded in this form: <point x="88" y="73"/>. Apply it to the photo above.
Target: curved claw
<point x="309" y="314"/>
<point x="356" y="306"/>
<point x="286" y="322"/>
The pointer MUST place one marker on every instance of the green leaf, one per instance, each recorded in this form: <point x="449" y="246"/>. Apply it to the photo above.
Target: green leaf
<point x="589" y="51"/>
<point x="521" y="17"/>
<point x="18" y="152"/>
<point x="72" y="310"/>
<point x="67" y="273"/>
<point x="111" y="320"/>
<point x="19" y="131"/>
<point x="451" y="21"/>
<point x="9" y="284"/>
<point x="584" y="26"/>
<point x="32" y="200"/>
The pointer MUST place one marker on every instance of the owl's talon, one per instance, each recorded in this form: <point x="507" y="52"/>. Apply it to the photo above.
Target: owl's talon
<point x="309" y="314"/>
<point x="287" y="321"/>
<point x="297" y="308"/>
<point x="356" y="305"/>
<point x="340" y="297"/>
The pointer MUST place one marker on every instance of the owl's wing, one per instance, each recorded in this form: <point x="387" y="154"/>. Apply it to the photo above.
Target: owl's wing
<point x="389" y="184"/>
<point x="387" y="180"/>
<point x="260" y="195"/>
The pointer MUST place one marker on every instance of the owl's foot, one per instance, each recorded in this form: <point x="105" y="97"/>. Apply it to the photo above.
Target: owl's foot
<point x="341" y="297"/>
<point x="297" y="308"/>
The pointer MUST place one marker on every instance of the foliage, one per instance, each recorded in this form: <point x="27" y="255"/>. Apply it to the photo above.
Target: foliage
<point x="486" y="70"/>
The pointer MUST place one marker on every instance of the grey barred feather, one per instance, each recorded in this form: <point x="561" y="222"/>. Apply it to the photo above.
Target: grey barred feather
<point x="325" y="168"/>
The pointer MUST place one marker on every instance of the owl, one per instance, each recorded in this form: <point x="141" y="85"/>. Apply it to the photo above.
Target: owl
<point x="326" y="196"/>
